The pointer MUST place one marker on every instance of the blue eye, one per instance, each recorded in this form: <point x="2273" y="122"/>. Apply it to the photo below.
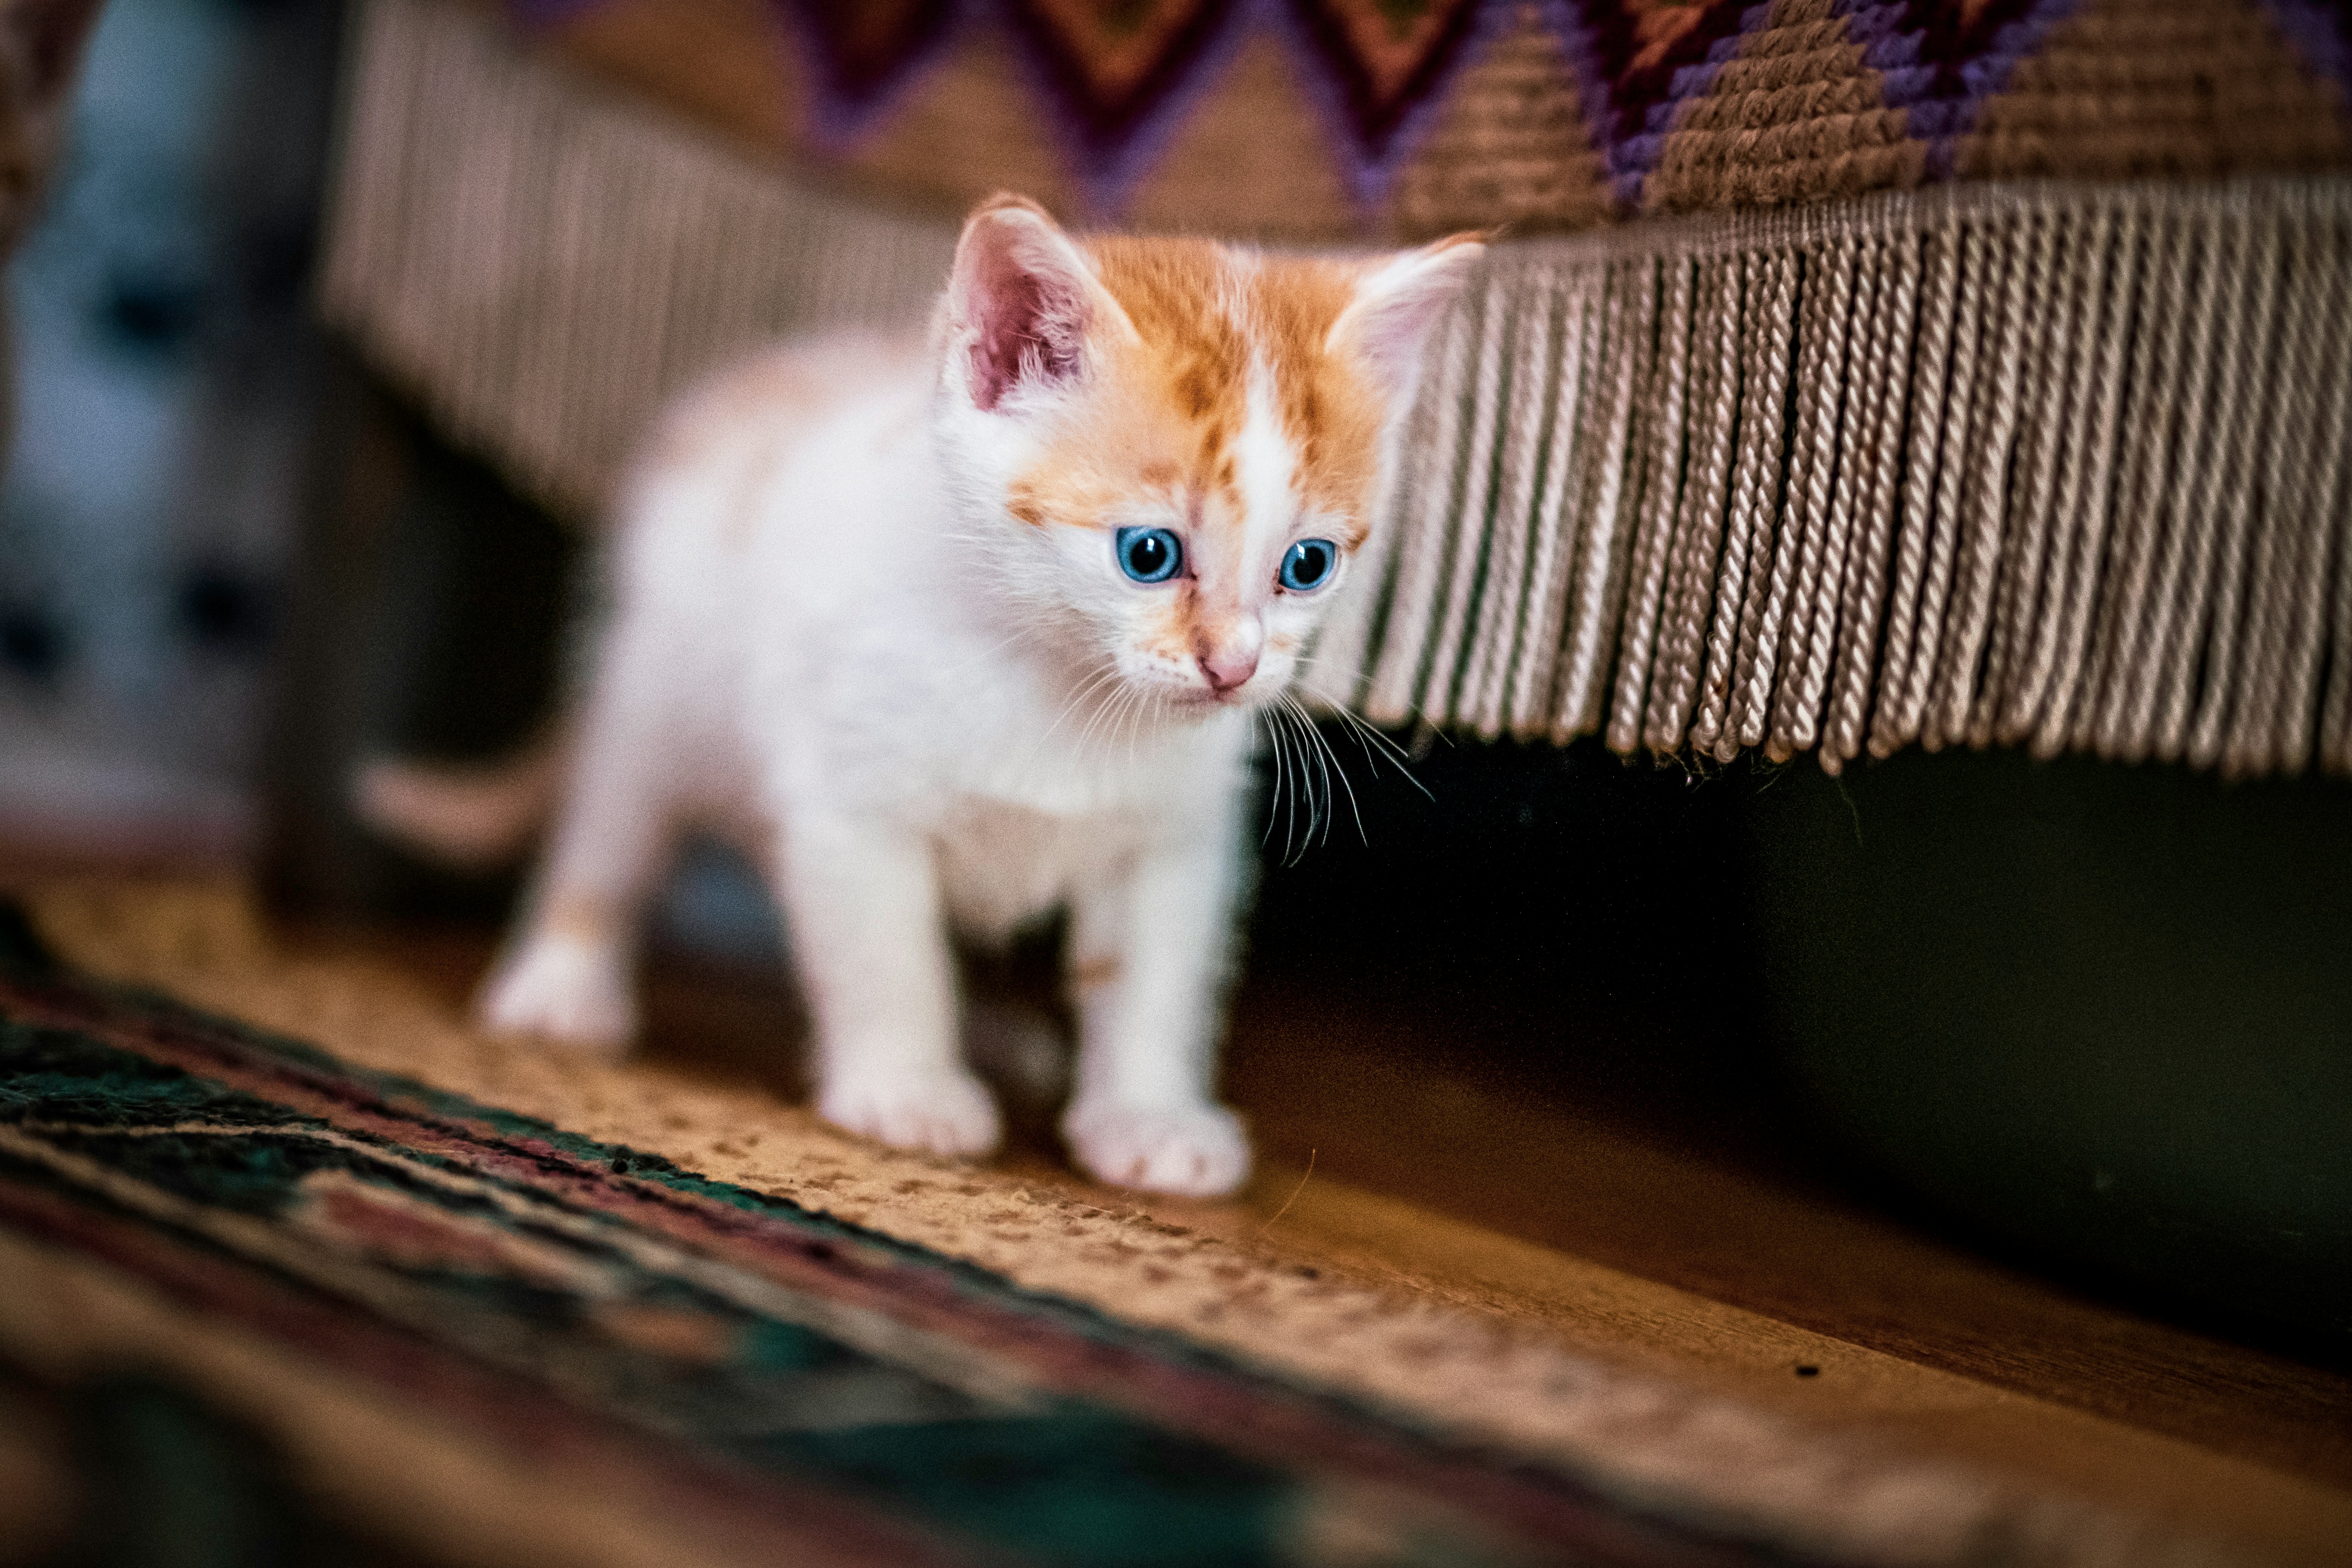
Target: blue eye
<point x="1149" y="555"/>
<point x="1308" y="565"/>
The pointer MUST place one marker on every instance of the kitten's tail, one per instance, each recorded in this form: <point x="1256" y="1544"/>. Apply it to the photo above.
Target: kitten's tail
<point x="469" y="816"/>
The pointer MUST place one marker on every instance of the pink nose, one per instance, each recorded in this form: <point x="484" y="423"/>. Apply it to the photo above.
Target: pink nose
<point x="1227" y="670"/>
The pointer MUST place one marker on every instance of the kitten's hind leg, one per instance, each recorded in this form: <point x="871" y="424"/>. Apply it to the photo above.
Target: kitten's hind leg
<point x="862" y="908"/>
<point x="567" y="974"/>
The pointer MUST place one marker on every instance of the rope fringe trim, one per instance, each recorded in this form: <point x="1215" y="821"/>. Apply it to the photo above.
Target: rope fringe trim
<point x="543" y="261"/>
<point x="2061" y="466"/>
<point x="2057" y="465"/>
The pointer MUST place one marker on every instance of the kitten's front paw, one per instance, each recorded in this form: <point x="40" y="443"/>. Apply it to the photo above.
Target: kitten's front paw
<point x="946" y="1113"/>
<point x="562" y="990"/>
<point x="1195" y="1150"/>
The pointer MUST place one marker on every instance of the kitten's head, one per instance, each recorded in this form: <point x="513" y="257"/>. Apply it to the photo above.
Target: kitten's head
<point x="1171" y="449"/>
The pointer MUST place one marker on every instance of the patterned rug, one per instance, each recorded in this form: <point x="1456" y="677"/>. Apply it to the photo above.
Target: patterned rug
<point x="798" y="1387"/>
<point x="1545" y="115"/>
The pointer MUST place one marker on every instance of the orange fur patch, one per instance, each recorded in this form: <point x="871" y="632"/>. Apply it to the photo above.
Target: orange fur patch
<point x="1165" y="417"/>
<point x="1024" y="502"/>
<point x="1330" y="412"/>
<point x="1177" y="627"/>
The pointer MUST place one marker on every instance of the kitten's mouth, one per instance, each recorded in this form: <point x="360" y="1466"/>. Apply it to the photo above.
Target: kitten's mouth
<point x="1197" y="700"/>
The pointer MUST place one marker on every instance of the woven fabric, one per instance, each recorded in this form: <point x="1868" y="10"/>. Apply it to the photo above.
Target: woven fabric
<point x="1672" y="1404"/>
<point x="1414" y="114"/>
<point x="2058" y="467"/>
<point x="2053" y="463"/>
<point x="774" y="1383"/>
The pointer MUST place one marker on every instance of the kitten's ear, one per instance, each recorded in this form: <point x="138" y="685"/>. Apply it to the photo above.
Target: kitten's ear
<point x="47" y="35"/>
<point x="1399" y="300"/>
<point x="1023" y="302"/>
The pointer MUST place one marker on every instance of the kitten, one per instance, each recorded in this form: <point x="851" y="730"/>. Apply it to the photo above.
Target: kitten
<point x="960" y="634"/>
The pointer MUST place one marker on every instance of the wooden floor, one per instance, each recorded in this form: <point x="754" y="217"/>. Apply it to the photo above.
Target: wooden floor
<point x="1656" y="1221"/>
<point x="1738" y="1228"/>
<point x="1619" y="1218"/>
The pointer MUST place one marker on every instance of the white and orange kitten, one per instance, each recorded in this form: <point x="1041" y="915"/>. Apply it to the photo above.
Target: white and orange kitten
<point x="957" y="634"/>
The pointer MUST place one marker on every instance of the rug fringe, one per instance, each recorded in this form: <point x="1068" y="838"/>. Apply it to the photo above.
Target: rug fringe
<point x="543" y="262"/>
<point x="2060" y="466"/>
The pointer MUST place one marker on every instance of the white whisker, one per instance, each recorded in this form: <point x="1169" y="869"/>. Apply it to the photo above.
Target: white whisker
<point x="1368" y="736"/>
<point x="1332" y="759"/>
<point x="1105" y="671"/>
<point x="1273" y="788"/>
<point x="1302" y="784"/>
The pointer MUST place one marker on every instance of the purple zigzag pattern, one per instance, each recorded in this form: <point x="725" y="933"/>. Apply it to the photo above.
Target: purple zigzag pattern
<point x="1112" y="144"/>
<point x="1930" y="60"/>
<point x="1937" y="61"/>
<point x="532" y="15"/>
<point x="852" y="89"/>
<point x="1375" y="136"/>
<point x="2321" y="31"/>
<point x="1628" y="107"/>
<point x="1941" y="68"/>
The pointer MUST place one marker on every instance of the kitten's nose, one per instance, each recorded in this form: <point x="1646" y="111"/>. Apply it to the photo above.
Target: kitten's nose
<point x="1228" y="668"/>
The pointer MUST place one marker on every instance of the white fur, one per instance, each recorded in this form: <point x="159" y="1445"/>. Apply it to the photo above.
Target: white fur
<point x="921" y="714"/>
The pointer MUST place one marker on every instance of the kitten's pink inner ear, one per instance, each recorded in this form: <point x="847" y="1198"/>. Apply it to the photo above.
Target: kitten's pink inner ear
<point x="1400" y="300"/>
<point x="1023" y="295"/>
